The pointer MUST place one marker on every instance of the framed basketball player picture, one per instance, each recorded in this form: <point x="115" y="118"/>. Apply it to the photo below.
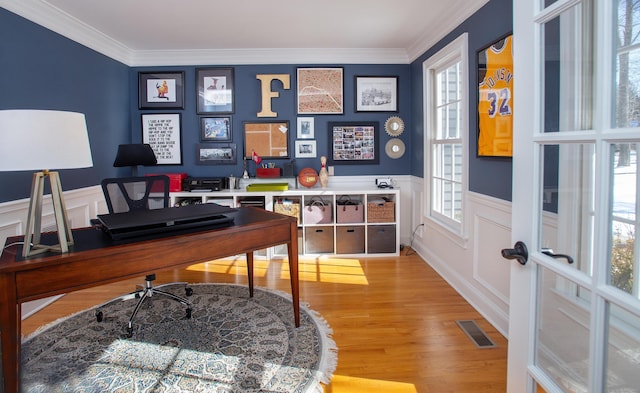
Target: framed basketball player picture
<point x="495" y="98"/>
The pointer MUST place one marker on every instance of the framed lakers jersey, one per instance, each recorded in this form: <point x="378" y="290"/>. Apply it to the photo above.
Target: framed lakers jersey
<point x="495" y="99"/>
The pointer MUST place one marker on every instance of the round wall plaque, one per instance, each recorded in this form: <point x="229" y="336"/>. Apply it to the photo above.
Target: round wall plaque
<point x="394" y="148"/>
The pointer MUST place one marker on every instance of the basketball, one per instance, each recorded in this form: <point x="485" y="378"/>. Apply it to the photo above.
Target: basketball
<point x="308" y="177"/>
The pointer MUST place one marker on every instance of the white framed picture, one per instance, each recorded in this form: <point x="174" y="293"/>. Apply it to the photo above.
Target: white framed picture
<point x="305" y="128"/>
<point x="306" y="149"/>
<point x="162" y="132"/>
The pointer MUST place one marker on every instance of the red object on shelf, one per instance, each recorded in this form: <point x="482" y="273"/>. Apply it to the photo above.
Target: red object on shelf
<point x="268" y="172"/>
<point x="175" y="180"/>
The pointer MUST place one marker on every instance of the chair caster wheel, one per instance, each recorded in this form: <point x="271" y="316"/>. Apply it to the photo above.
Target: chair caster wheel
<point x="99" y="316"/>
<point x="129" y="332"/>
<point x="188" y="291"/>
<point x="188" y="313"/>
<point x="137" y="295"/>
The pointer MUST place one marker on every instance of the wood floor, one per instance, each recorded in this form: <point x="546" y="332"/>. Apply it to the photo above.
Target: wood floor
<point x="394" y="321"/>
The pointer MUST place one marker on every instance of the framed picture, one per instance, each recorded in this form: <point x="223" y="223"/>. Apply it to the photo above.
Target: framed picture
<point x="161" y="90"/>
<point x="268" y="139"/>
<point x="353" y="143"/>
<point x="305" y="128"/>
<point x="215" y="90"/>
<point x="162" y="132"/>
<point x="306" y="149"/>
<point x="376" y="93"/>
<point x="215" y="129"/>
<point x="320" y="91"/>
<point x="216" y="153"/>
<point x="495" y="99"/>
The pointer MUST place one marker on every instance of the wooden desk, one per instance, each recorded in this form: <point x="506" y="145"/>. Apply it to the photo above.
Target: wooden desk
<point x="95" y="260"/>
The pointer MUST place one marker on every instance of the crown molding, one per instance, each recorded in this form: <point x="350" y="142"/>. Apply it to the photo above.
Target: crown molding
<point x="270" y="56"/>
<point x="52" y="18"/>
<point x="438" y="31"/>
<point x="45" y="15"/>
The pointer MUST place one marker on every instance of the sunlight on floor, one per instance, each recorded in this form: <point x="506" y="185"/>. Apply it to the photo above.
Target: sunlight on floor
<point x="321" y="269"/>
<point x="345" y="384"/>
<point x="328" y="269"/>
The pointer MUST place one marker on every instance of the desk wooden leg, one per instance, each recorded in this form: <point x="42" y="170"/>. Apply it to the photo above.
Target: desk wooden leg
<point x="292" y="248"/>
<point x="10" y="333"/>
<point x="250" y="272"/>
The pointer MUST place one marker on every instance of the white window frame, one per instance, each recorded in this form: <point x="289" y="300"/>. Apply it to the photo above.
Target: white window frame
<point x="456" y="51"/>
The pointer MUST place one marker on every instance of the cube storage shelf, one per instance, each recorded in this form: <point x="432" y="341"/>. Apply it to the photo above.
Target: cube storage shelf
<point x="330" y="221"/>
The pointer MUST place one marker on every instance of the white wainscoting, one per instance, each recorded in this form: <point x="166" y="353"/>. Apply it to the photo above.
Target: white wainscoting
<point x="473" y="266"/>
<point x="82" y="205"/>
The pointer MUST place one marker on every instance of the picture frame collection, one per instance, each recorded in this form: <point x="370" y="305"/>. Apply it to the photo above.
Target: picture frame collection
<point x="320" y="91"/>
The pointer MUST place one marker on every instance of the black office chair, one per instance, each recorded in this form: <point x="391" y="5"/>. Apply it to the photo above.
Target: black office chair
<point x="140" y="193"/>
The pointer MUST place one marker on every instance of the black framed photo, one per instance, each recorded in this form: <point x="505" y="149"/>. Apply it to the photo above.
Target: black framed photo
<point x="162" y="132"/>
<point x="267" y="139"/>
<point x="215" y="129"/>
<point x="215" y="90"/>
<point x="320" y="90"/>
<point x="216" y="153"/>
<point x="376" y="93"/>
<point x="161" y="90"/>
<point x="353" y="143"/>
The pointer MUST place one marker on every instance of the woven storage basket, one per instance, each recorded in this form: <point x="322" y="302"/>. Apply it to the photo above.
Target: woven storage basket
<point x="288" y="208"/>
<point x="381" y="211"/>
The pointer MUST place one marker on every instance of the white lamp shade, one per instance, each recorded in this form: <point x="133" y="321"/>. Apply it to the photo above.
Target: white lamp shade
<point x="43" y="139"/>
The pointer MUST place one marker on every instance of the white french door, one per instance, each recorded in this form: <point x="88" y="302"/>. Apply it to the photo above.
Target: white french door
<point x="575" y="304"/>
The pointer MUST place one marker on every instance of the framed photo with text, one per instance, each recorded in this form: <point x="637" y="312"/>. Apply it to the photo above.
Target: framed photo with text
<point x="162" y="132"/>
<point x="161" y="90"/>
<point x="215" y="90"/>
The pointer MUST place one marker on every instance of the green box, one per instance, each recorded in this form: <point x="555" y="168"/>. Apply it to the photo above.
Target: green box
<point x="268" y="187"/>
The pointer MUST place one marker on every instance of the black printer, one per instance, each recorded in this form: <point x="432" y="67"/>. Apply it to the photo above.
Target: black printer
<point x="204" y="184"/>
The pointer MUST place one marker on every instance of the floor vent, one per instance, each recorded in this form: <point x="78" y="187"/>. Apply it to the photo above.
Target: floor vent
<point x="473" y="331"/>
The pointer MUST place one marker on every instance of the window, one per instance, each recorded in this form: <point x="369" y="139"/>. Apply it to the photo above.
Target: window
<point x="446" y="132"/>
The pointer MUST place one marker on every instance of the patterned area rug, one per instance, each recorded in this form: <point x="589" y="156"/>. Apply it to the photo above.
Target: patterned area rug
<point x="232" y="343"/>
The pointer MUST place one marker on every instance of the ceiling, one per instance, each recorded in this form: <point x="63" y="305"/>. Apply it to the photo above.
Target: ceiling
<point x="155" y="32"/>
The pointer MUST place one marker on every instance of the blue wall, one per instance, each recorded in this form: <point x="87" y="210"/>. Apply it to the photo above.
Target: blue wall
<point x="248" y="103"/>
<point x="43" y="70"/>
<point x="488" y="176"/>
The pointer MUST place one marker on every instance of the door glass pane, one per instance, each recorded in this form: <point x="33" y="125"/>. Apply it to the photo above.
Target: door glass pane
<point x="568" y="66"/>
<point x="562" y="335"/>
<point x="627" y="64"/>
<point x="623" y="270"/>
<point x="623" y="351"/>
<point x="567" y="216"/>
